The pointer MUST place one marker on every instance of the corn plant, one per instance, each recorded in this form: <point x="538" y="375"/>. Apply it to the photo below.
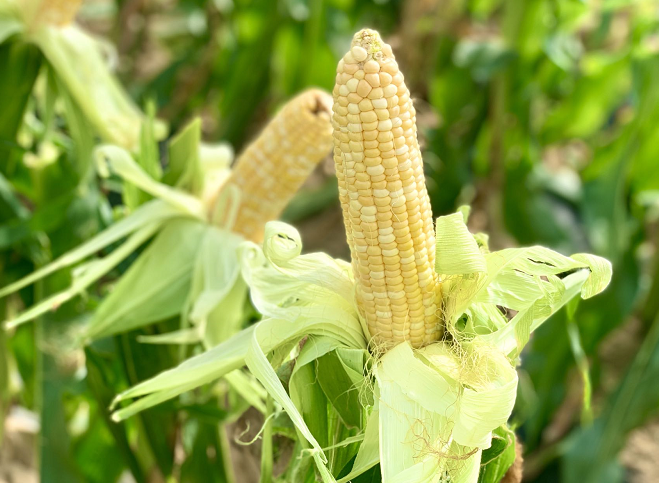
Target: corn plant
<point x="401" y="363"/>
<point x="77" y="60"/>
<point x="59" y="97"/>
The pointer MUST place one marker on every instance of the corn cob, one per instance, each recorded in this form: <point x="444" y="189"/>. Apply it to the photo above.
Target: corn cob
<point x="273" y="167"/>
<point x="386" y="208"/>
<point x="58" y="12"/>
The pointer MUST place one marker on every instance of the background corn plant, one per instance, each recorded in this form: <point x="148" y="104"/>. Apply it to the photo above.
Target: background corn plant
<point x="540" y="114"/>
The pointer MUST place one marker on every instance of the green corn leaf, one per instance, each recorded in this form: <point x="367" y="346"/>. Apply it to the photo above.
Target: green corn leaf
<point x="185" y="169"/>
<point x="248" y="388"/>
<point x="590" y="453"/>
<point x="227" y="317"/>
<point x="190" y="335"/>
<point x="227" y="356"/>
<point x="20" y="64"/>
<point x="499" y="457"/>
<point x="90" y="275"/>
<point x="148" y="159"/>
<point x="260" y="367"/>
<point x="152" y="213"/>
<point x="200" y="466"/>
<point x="310" y="390"/>
<point x="44" y="218"/>
<point x="267" y="459"/>
<point x="582" y="362"/>
<point x="369" y="451"/>
<point x="155" y="286"/>
<point x="600" y="274"/>
<point x="117" y="160"/>
<point x="4" y="374"/>
<point x="217" y="295"/>
<point x="306" y="393"/>
<point x="340" y="389"/>
<point x="512" y="337"/>
<point x="10" y="198"/>
<point x="149" y="156"/>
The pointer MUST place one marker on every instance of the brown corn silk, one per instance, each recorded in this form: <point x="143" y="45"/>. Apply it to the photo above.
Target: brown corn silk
<point x="58" y="12"/>
<point x="386" y="208"/>
<point x="274" y="166"/>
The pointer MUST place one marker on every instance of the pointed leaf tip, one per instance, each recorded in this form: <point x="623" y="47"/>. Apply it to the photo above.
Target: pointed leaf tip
<point x="457" y="250"/>
<point x="601" y="272"/>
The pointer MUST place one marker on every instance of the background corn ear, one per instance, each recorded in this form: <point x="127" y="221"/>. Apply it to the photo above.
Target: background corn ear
<point x="58" y="12"/>
<point x="273" y="167"/>
<point x="382" y="189"/>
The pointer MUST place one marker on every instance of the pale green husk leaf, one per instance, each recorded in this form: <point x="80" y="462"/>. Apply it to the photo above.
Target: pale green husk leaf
<point x="92" y="273"/>
<point x="457" y="251"/>
<point x="78" y="60"/>
<point x="8" y="27"/>
<point x="154" y="212"/>
<point x="113" y="159"/>
<point x="303" y="301"/>
<point x="534" y="282"/>
<point x="155" y="286"/>
<point x="436" y="407"/>
<point x="261" y="368"/>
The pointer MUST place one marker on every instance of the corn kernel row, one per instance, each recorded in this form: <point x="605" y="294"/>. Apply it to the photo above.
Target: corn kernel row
<point x="273" y="167"/>
<point x="382" y="189"/>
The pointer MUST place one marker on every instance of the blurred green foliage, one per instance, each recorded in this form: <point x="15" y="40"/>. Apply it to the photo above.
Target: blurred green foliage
<point x="541" y="114"/>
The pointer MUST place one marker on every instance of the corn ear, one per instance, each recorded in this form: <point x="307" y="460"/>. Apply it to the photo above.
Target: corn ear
<point x="57" y="12"/>
<point x="273" y="167"/>
<point x="382" y="189"/>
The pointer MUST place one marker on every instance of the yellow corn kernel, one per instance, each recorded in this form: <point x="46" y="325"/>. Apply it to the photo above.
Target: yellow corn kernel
<point x="273" y="167"/>
<point x="386" y="208"/>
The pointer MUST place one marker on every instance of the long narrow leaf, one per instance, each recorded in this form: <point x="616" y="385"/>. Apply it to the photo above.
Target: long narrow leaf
<point x="152" y="214"/>
<point x="118" y="160"/>
<point x="90" y="276"/>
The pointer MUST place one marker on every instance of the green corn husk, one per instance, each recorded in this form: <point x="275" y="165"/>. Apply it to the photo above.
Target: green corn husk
<point x="425" y="415"/>
<point x="81" y="63"/>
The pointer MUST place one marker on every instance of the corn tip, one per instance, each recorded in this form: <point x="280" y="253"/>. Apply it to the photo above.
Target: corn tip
<point x="373" y="45"/>
<point x="318" y="102"/>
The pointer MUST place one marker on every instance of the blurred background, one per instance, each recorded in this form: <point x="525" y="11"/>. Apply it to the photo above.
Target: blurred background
<point x="543" y="115"/>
